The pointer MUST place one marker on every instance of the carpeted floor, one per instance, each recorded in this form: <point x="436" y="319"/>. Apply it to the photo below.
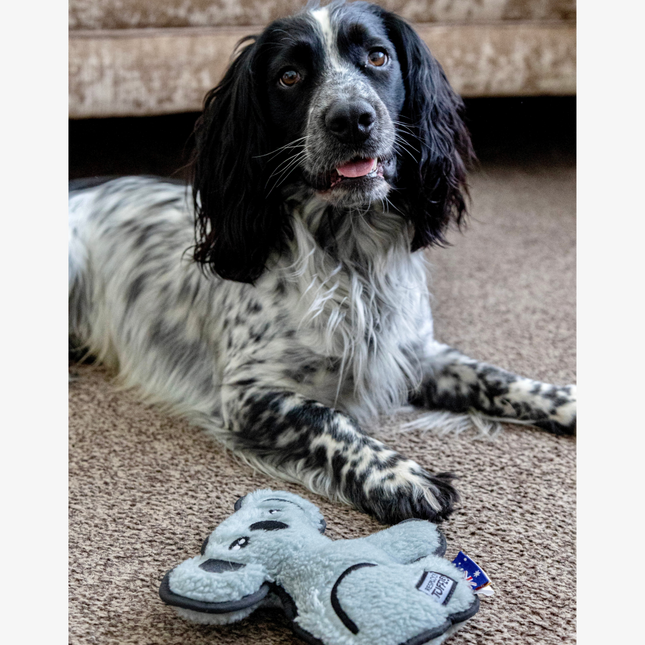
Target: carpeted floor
<point x="146" y="489"/>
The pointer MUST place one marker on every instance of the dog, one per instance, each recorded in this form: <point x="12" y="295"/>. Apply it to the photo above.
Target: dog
<point x="284" y="302"/>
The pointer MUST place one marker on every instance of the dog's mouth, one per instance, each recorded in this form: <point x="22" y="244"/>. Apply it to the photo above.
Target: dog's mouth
<point x="358" y="169"/>
<point x="360" y="173"/>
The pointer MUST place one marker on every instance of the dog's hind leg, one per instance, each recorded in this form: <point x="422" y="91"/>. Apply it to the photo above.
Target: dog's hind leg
<point x="457" y="383"/>
<point x="301" y="440"/>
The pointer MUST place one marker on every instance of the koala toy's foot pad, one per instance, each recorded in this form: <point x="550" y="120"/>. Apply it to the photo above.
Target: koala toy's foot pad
<point x="393" y="587"/>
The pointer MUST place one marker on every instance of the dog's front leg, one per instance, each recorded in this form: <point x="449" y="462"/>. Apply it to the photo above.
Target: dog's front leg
<point x="287" y="435"/>
<point x="457" y="383"/>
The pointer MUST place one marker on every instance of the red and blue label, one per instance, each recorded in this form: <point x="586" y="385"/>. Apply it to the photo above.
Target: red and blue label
<point x="474" y="573"/>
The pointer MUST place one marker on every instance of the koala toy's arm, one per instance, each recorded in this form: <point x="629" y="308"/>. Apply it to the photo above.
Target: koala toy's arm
<point x="408" y="541"/>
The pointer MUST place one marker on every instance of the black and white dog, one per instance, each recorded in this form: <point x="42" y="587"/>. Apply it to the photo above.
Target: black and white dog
<point x="287" y="301"/>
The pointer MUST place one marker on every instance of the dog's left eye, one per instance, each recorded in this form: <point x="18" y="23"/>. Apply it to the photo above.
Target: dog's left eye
<point x="377" y="58"/>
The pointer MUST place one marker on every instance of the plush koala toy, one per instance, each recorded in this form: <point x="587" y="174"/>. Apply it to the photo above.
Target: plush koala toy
<point x="392" y="587"/>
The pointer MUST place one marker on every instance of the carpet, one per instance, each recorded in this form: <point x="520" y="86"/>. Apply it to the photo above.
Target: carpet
<point x="145" y="489"/>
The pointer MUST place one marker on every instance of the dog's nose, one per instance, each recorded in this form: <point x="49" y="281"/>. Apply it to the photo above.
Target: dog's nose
<point x="351" y="122"/>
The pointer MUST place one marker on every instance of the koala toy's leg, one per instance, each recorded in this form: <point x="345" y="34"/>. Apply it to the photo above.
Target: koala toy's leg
<point x="301" y="440"/>
<point x="457" y="383"/>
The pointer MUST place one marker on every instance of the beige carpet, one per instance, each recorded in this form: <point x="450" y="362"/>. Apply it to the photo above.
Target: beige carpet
<point x="146" y="489"/>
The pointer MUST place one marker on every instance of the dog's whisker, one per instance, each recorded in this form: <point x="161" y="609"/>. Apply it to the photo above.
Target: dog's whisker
<point x="408" y="129"/>
<point x="293" y="144"/>
<point x="286" y="163"/>
<point x="294" y="163"/>
<point x="399" y="146"/>
<point x="398" y="138"/>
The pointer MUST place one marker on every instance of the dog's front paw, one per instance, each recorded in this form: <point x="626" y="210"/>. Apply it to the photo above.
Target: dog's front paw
<point x="562" y="411"/>
<point x="405" y="491"/>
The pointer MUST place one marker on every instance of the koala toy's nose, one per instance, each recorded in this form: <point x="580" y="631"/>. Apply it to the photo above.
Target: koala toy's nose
<point x="220" y="566"/>
<point x="350" y="122"/>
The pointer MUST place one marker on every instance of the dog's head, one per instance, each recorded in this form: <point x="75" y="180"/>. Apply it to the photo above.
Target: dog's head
<point x="346" y="101"/>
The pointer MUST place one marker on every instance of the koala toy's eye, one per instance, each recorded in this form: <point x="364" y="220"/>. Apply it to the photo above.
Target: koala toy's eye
<point x="377" y="58"/>
<point x="289" y="78"/>
<point x="240" y="543"/>
<point x="273" y="511"/>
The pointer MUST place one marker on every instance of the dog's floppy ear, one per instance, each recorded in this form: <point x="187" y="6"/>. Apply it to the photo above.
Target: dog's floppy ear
<point x="236" y="225"/>
<point x="433" y="185"/>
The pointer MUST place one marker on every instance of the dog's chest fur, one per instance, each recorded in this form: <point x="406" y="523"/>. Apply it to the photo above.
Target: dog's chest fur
<point x="361" y="315"/>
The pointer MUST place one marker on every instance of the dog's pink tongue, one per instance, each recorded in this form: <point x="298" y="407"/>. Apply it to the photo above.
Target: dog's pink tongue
<point x="357" y="168"/>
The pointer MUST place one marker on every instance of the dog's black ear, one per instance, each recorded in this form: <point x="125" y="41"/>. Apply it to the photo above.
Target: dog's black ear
<point x="236" y="225"/>
<point x="433" y="185"/>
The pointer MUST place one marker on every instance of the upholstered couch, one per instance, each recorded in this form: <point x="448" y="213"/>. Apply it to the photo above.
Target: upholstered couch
<point x="146" y="57"/>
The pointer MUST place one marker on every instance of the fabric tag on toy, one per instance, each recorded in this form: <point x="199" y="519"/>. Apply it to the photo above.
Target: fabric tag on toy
<point x="437" y="586"/>
<point x="475" y="575"/>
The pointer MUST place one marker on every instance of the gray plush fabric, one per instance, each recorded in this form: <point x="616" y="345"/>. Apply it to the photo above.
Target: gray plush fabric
<point x="342" y="592"/>
<point x="145" y="489"/>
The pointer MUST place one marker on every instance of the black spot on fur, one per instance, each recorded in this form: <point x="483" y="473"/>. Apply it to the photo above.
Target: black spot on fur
<point x="145" y="233"/>
<point x="173" y="201"/>
<point x="135" y="290"/>
<point x="303" y="372"/>
<point x="254" y="307"/>
<point x="247" y="382"/>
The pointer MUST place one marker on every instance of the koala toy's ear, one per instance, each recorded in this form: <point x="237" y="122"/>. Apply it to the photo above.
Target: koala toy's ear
<point x="215" y="592"/>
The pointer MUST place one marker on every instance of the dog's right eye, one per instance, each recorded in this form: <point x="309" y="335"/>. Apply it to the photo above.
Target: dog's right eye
<point x="377" y="58"/>
<point x="289" y="78"/>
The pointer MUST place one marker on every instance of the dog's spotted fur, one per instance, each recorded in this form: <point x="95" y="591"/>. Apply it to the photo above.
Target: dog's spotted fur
<point x="319" y="316"/>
